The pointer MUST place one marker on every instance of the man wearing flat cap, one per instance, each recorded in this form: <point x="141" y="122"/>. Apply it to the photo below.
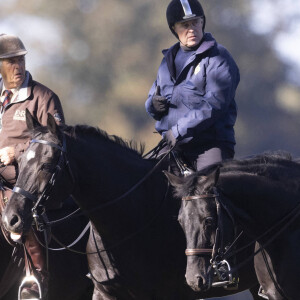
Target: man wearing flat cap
<point x="18" y="92"/>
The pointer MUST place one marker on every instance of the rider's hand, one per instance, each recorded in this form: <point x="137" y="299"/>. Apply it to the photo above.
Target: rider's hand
<point x="7" y="155"/>
<point x="160" y="103"/>
<point x="170" y="138"/>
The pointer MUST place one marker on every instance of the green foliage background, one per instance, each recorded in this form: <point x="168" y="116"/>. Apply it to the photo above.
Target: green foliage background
<point x="105" y="54"/>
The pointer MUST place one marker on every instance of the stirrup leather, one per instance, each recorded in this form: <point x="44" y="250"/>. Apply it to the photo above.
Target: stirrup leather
<point x="29" y="278"/>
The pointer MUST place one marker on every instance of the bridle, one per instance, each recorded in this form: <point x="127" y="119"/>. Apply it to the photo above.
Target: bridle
<point x="278" y="228"/>
<point x="213" y="252"/>
<point x="39" y="202"/>
<point x="218" y="251"/>
<point x="199" y="251"/>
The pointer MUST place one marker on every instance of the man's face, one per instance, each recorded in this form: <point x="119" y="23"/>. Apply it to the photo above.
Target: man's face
<point x="13" y="71"/>
<point x="190" y="33"/>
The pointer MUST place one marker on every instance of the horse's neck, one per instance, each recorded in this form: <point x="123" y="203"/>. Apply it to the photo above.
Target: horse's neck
<point x="257" y="201"/>
<point x="106" y="168"/>
<point x="105" y="174"/>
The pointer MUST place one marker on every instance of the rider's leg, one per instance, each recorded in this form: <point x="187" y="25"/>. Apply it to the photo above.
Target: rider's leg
<point x="212" y="156"/>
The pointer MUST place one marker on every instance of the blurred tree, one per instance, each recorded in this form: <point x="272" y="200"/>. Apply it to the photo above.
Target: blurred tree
<point x="101" y="58"/>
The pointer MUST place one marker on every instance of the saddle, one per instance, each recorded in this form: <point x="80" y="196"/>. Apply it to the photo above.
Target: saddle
<point x="177" y="162"/>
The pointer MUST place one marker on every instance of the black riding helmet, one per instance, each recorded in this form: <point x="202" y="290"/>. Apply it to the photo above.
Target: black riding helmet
<point x="183" y="10"/>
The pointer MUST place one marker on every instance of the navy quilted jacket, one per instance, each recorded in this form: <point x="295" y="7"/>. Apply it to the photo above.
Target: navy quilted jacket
<point x="202" y="105"/>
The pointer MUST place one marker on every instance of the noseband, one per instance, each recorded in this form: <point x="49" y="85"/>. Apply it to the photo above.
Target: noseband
<point x="199" y="251"/>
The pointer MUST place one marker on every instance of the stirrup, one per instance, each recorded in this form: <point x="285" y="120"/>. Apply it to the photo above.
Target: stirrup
<point x="226" y="280"/>
<point x="30" y="279"/>
<point x="262" y="294"/>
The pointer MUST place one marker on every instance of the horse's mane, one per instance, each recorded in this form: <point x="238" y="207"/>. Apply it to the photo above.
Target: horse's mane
<point x="275" y="165"/>
<point x="255" y="163"/>
<point x="268" y="157"/>
<point x="83" y="131"/>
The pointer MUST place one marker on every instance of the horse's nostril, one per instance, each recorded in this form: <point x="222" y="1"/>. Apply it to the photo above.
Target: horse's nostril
<point x="201" y="281"/>
<point x="14" y="220"/>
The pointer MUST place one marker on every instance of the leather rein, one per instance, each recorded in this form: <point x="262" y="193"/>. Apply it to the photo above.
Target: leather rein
<point x="63" y="163"/>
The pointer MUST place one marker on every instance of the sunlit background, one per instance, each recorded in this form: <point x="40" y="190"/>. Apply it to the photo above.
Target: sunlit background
<point x="101" y="58"/>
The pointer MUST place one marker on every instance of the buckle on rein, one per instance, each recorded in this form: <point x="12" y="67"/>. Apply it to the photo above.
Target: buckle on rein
<point x="40" y="225"/>
<point x="222" y="272"/>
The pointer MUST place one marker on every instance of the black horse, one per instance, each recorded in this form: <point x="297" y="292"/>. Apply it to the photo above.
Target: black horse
<point x="262" y="194"/>
<point x="140" y="245"/>
<point x="68" y="271"/>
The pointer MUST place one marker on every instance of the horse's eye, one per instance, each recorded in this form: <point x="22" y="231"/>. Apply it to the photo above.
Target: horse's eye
<point x="209" y="222"/>
<point x="47" y="167"/>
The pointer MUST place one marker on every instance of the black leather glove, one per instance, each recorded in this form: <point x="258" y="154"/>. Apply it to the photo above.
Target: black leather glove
<point x="160" y="103"/>
<point x="170" y="138"/>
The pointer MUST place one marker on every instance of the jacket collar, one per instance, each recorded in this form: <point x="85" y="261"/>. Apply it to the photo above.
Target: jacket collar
<point x="207" y="43"/>
<point x="25" y="89"/>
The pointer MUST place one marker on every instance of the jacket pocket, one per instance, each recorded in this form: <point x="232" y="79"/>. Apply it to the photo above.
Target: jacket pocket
<point x="191" y="97"/>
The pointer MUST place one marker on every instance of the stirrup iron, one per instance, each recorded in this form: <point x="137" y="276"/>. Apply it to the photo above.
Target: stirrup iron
<point x="225" y="276"/>
<point x="262" y="294"/>
<point x="30" y="279"/>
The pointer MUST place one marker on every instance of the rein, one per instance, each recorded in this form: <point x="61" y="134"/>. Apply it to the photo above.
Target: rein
<point x="134" y="187"/>
<point x="63" y="162"/>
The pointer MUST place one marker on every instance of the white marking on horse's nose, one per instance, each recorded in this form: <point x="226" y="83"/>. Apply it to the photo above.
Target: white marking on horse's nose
<point x="30" y="155"/>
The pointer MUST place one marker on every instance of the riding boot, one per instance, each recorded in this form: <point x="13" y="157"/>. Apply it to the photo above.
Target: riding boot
<point x="36" y="254"/>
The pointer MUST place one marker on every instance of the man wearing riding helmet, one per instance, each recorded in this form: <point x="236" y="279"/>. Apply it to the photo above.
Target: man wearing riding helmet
<point x="193" y="96"/>
<point x="18" y="93"/>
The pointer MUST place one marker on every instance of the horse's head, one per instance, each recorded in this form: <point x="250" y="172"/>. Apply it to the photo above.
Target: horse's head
<point x="198" y="217"/>
<point x="41" y="179"/>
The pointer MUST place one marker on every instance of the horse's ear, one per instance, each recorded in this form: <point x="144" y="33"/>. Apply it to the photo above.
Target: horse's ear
<point x="51" y="124"/>
<point x="31" y="121"/>
<point x="216" y="175"/>
<point x="173" y="179"/>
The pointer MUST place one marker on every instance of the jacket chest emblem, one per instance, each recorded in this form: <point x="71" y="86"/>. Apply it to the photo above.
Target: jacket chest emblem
<point x="197" y="69"/>
<point x="20" y="115"/>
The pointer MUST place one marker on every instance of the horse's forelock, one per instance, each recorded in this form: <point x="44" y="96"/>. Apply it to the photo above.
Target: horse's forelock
<point x="187" y="187"/>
